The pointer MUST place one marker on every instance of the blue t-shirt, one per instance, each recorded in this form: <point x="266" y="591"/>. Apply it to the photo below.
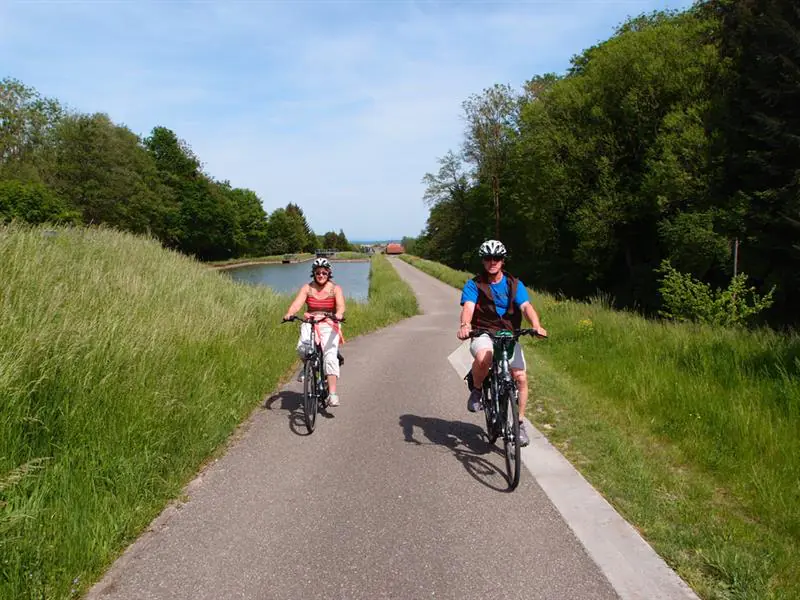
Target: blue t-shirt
<point x="500" y="293"/>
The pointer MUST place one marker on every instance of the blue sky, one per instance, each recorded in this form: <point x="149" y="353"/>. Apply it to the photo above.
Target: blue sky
<point x="338" y="106"/>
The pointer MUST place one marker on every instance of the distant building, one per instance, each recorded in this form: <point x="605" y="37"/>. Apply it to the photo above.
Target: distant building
<point x="394" y="248"/>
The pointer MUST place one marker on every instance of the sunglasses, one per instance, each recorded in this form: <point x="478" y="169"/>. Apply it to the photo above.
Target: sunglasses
<point x="494" y="258"/>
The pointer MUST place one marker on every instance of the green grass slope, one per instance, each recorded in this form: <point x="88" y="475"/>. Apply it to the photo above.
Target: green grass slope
<point x="123" y="366"/>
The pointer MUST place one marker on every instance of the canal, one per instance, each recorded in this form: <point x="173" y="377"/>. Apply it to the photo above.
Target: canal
<point x="287" y="279"/>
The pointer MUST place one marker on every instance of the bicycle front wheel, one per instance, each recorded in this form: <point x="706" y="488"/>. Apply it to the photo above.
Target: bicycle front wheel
<point x="490" y="409"/>
<point x="310" y="393"/>
<point x="511" y="439"/>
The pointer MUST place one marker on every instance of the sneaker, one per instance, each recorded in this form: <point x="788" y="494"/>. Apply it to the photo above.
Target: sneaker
<point x="523" y="435"/>
<point x="333" y="400"/>
<point x="474" y="403"/>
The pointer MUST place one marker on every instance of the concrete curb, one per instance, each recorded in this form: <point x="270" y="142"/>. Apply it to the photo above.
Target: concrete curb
<point x="632" y="567"/>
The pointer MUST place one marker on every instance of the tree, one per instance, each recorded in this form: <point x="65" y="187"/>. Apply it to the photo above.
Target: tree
<point x="459" y="215"/>
<point x="608" y="156"/>
<point x="536" y="88"/>
<point x="286" y="231"/>
<point x="307" y="239"/>
<point x="449" y="183"/>
<point x="102" y="170"/>
<point x="601" y="173"/>
<point x="251" y="220"/>
<point x="341" y="241"/>
<point x="758" y="96"/>
<point x="33" y="203"/>
<point x="173" y="156"/>
<point x="208" y="221"/>
<point x="330" y="240"/>
<point x="278" y="232"/>
<point x="85" y="168"/>
<point x="27" y="121"/>
<point x="411" y="245"/>
<point x="179" y="172"/>
<point x="491" y="121"/>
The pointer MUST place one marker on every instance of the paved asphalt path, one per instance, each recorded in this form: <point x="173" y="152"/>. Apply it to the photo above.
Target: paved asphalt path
<point x="395" y="495"/>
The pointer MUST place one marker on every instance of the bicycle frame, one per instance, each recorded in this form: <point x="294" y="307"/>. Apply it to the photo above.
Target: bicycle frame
<point x="316" y="346"/>
<point x="503" y="368"/>
<point x="500" y="380"/>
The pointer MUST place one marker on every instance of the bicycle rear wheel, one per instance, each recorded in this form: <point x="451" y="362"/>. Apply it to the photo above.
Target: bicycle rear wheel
<point x="310" y="393"/>
<point x="322" y="387"/>
<point x="511" y="438"/>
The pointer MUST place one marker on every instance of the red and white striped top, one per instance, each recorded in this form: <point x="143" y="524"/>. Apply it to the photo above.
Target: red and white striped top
<point x="327" y="304"/>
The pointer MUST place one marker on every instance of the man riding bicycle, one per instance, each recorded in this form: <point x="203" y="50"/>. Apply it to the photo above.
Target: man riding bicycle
<point x="496" y="300"/>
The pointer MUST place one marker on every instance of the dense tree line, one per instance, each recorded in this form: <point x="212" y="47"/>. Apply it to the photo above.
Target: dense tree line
<point x="61" y="166"/>
<point x="676" y="139"/>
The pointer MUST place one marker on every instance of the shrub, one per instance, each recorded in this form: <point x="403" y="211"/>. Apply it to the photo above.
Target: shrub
<point x="687" y="299"/>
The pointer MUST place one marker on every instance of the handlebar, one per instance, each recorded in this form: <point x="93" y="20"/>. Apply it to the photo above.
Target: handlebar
<point x="322" y="317"/>
<point x="517" y="333"/>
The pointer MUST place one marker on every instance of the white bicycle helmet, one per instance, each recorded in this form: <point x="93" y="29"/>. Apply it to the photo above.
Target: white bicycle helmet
<point x="492" y="248"/>
<point x="321" y="262"/>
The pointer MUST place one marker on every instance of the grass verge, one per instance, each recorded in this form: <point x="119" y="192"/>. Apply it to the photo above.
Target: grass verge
<point x="123" y="366"/>
<point x="692" y="433"/>
<point x="276" y="258"/>
<point x="350" y="256"/>
<point x="450" y="276"/>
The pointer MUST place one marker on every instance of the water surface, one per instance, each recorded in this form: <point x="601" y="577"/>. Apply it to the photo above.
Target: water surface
<point x="287" y="279"/>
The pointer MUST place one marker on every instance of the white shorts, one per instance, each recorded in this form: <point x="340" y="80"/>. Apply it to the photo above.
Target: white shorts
<point x="484" y="342"/>
<point x="329" y="342"/>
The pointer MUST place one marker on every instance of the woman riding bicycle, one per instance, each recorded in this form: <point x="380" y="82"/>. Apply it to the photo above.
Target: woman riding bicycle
<point x="321" y="296"/>
<point x="495" y="300"/>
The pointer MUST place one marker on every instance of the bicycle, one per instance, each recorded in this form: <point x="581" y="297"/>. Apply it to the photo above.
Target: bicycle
<point x="500" y="398"/>
<point x="315" y="381"/>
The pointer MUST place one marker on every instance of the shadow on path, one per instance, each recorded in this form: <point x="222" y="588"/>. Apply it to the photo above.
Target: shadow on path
<point x="292" y="403"/>
<point x="466" y="441"/>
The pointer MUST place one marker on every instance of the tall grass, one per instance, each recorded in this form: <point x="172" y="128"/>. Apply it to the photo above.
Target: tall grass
<point x="692" y="432"/>
<point x="390" y="299"/>
<point x="695" y="432"/>
<point x="348" y="255"/>
<point x="122" y="368"/>
<point x="450" y="276"/>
